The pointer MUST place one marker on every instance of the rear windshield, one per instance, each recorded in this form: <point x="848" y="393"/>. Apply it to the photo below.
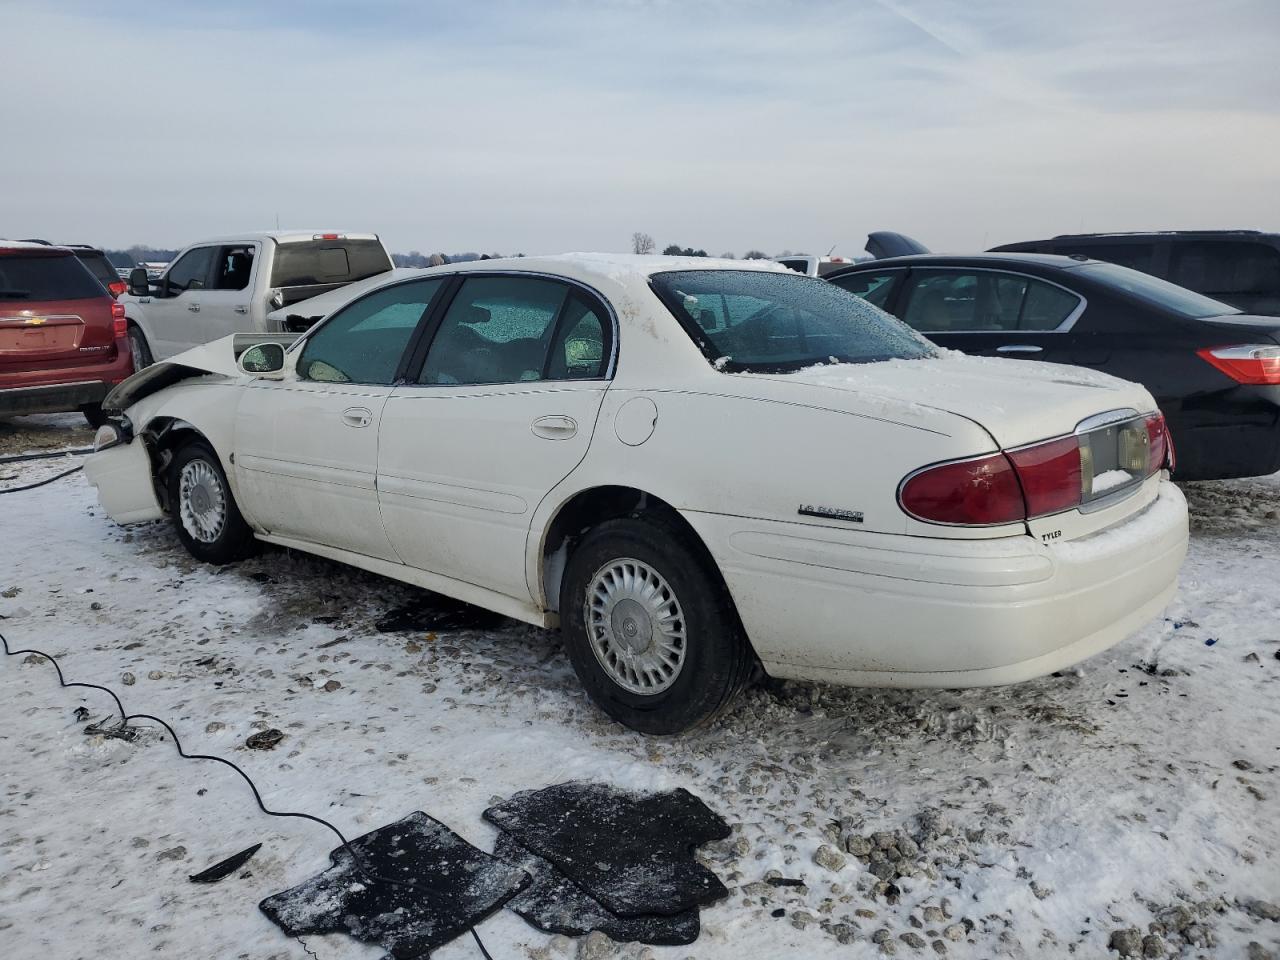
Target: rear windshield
<point x="327" y="261"/>
<point x="1156" y="292"/>
<point x="766" y="322"/>
<point x="28" y="279"/>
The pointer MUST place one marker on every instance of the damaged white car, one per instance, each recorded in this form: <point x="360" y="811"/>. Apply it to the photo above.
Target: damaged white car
<point x="692" y="467"/>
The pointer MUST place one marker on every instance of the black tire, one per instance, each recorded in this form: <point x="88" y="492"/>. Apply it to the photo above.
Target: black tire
<point x="94" y="414"/>
<point x="138" y="348"/>
<point x="717" y="660"/>
<point x="233" y="539"/>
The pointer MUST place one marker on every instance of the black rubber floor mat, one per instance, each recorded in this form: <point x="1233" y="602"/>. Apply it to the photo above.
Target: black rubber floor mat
<point x="633" y="852"/>
<point x="555" y="904"/>
<point x="432" y="611"/>
<point x="459" y="886"/>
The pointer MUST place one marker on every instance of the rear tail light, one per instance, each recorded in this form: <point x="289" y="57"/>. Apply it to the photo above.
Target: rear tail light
<point x="1253" y="364"/>
<point x="117" y="287"/>
<point x="1042" y="478"/>
<point x="119" y="325"/>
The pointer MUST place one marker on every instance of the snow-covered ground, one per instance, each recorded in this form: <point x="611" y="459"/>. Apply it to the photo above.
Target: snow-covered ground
<point x="1029" y="821"/>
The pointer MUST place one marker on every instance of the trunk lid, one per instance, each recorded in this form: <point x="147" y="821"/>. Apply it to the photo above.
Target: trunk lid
<point x="55" y="332"/>
<point x="1016" y="401"/>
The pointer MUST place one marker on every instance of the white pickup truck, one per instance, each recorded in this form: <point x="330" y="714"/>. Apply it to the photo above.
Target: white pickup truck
<point x="233" y="284"/>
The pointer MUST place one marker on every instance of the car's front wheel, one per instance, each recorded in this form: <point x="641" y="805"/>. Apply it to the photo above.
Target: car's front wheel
<point x="650" y="629"/>
<point x="204" y="512"/>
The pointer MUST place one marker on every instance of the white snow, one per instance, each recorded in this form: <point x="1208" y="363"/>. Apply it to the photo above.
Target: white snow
<point x="1147" y="776"/>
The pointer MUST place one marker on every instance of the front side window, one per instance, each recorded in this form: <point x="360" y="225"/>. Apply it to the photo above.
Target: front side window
<point x="365" y="341"/>
<point x="871" y="286"/>
<point x="234" y="267"/>
<point x="975" y="301"/>
<point x="766" y="321"/>
<point x="190" y="272"/>
<point x="497" y="330"/>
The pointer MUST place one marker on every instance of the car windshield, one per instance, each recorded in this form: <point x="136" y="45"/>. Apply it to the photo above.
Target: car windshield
<point x="771" y="322"/>
<point x="1156" y="292"/>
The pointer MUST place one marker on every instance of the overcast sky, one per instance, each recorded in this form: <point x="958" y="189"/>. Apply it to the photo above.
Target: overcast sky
<point x="569" y="124"/>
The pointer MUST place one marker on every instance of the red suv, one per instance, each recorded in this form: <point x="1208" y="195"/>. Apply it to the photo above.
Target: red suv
<point x="63" y="342"/>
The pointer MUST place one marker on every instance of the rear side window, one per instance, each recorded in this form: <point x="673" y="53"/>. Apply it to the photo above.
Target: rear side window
<point x="875" y="288"/>
<point x="1226" y="268"/>
<point x="315" y="262"/>
<point x="496" y="330"/>
<point x="234" y="268"/>
<point x="974" y="301"/>
<point x="364" y="341"/>
<point x="758" y="321"/>
<point x="43" y="277"/>
<point x="97" y="264"/>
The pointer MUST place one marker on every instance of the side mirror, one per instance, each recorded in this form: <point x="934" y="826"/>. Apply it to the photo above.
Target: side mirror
<point x="139" y="286"/>
<point x="263" y="360"/>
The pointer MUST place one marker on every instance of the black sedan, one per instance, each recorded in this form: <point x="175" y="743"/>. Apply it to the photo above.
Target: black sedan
<point x="1214" y="371"/>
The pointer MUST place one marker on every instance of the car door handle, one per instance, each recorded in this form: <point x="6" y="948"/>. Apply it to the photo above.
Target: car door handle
<point x="193" y="307"/>
<point x="554" y="427"/>
<point x="1019" y="348"/>
<point x="357" y="416"/>
<point x="242" y="309"/>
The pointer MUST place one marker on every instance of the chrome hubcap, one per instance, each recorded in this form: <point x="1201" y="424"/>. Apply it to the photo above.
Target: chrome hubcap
<point x="636" y="626"/>
<point x="202" y="503"/>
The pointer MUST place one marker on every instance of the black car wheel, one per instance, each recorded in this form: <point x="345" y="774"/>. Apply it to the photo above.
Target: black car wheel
<point x="204" y="512"/>
<point x="649" y="627"/>
<point x="94" y="414"/>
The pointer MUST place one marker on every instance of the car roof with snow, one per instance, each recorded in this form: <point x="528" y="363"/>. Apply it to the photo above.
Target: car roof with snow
<point x="610" y="267"/>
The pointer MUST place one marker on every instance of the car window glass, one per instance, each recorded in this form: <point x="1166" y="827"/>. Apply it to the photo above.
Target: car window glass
<point x="1046" y="307"/>
<point x="942" y="301"/>
<point x="30" y="279"/>
<point x="190" y="271"/>
<point x="364" y="341"/>
<point x="234" y="266"/>
<point x="1226" y="267"/>
<point x="496" y="330"/>
<point x="871" y="287"/>
<point x="775" y="321"/>
<point x="1153" y="291"/>
<point x="581" y="348"/>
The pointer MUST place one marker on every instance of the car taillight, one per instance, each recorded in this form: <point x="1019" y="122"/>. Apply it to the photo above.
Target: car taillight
<point x="1246" y="363"/>
<point x="119" y="325"/>
<point x="117" y="287"/>
<point x="976" y="492"/>
<point x="1042" y="478"/>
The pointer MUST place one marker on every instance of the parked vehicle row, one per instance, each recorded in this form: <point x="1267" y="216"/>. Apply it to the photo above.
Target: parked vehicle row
<point x="1214" y="371"/>
<point x="692" y="467"/>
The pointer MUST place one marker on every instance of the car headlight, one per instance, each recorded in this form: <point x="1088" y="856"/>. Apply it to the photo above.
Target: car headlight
<point x="112" y="434"/>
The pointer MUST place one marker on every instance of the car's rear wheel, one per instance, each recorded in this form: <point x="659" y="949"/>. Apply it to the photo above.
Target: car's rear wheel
<point x="649" y="626"/>
<point x="139" y="350"/>
<point x="204" y="511"/>
<point x="94" y="414"/>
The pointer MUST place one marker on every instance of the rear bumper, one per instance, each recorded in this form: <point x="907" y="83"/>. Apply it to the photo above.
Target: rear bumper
<point x="1235" y="433"/>
<point x="884" y="610"/>
<point x="63" y="388"/>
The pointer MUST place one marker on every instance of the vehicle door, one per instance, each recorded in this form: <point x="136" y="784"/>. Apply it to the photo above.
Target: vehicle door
<point x="224" y="307"/>
<point x="996" y="313"/>
<point x="307" y="445"/>
<point x="500" y="409"/>
<point x="173" y="321"/>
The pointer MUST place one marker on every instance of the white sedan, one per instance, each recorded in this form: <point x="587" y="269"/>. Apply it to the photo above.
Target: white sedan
<point x="692" y="467"/>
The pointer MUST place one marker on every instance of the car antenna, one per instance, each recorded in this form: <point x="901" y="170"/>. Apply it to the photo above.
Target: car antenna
<point x="833" y="248"/>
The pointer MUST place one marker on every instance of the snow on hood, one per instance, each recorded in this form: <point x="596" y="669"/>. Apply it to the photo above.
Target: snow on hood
<point x="217" y="357"/>
<point x="1016" y="401"/>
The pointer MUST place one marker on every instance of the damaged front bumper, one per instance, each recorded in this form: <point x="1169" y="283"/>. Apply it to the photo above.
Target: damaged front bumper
<point x="121" y="472"/>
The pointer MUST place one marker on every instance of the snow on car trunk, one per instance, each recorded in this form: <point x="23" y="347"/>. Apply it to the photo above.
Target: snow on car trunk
<point x="1016" y="401"/>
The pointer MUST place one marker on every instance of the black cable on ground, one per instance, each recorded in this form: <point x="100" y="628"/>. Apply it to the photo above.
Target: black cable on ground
<point x="126" y="717"/>
<point x="47" y="455"/>
<point x="41" y="483"/>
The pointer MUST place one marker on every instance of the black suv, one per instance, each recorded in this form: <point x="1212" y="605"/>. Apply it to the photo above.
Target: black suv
<point x="1239" y="267"/>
